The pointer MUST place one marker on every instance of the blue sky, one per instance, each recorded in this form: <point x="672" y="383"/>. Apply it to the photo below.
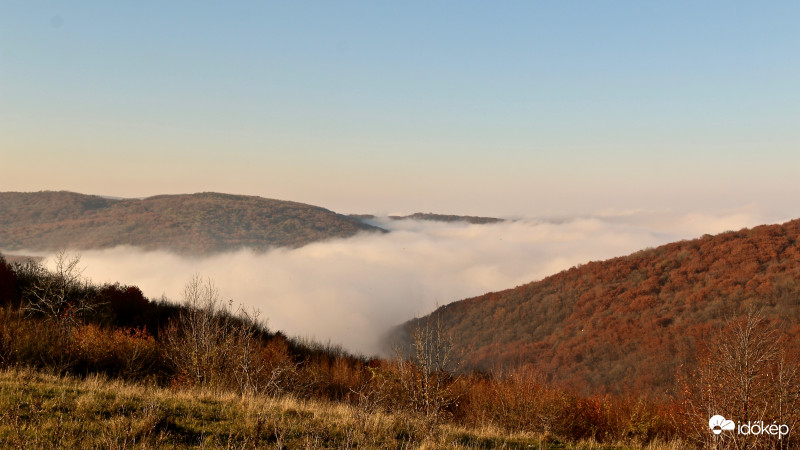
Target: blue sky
<point x="458" y="107"/>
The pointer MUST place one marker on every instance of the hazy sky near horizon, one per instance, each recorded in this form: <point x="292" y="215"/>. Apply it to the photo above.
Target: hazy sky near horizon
<point x="459" y="107"/>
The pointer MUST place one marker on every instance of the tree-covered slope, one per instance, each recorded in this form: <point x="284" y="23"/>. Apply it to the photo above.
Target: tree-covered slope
<point x="196" y="223"/>
<point x="448" y="218"/>
<point x="634" y="321"/>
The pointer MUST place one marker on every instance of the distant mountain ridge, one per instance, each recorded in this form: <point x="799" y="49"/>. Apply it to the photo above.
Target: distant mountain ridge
<point x="188" y="223"/>
<point x="633" y="321"/>
<point x="436" y="218"/>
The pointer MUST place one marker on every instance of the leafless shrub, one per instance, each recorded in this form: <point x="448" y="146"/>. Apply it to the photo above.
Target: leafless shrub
<point x="371" y="395"/>
<point x="425" y="371"/>
<point x="197" y="340"/>
<point x="33" y="342"/>
<point x="210" y="345"/>
<point x="250" y="372"/>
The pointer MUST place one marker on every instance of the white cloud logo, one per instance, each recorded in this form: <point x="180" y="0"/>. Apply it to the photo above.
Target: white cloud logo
<point x="718" y="424"/>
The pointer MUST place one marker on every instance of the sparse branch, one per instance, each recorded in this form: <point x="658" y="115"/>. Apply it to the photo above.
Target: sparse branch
<point x="210" y="345"/>
<point x="426" y="374"/>
<point x="745" y="376"/>
<point x="60" y="295"/>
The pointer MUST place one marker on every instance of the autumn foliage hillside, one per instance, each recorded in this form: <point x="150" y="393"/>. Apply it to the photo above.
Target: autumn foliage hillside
<point x="55" y="323"/>
<point x="634" y="322"/>
<point x="197" y="223"/>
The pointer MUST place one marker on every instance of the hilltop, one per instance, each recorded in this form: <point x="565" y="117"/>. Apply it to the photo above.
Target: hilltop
<point x="191" y="223"/>
<point x="634" y="321"/>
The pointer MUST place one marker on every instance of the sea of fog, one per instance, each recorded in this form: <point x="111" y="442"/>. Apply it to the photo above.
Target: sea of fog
<point x="352" y="291"/>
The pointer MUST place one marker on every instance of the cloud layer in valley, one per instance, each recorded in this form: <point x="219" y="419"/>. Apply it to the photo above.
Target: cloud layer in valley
<point x="352" y="291"/>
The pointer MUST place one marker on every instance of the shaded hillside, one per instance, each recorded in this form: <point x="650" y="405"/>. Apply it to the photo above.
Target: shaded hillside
<point x="631" y="322"/>
<point x="448" y="218"/>
<point x="196" y="223"/>
<point x="436" y="218"/>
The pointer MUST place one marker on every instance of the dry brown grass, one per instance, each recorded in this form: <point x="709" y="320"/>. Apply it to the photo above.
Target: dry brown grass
<point x="48" y="411"/>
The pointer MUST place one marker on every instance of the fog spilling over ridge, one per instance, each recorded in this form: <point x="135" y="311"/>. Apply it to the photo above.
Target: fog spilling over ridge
<point x="352" y="291"/>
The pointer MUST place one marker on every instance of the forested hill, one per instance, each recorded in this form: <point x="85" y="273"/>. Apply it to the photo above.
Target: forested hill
<point x="192" y="224"/>
<point x="633" y="321"/>
<point x="448" y="218"/>
<point x="436" y="218"/>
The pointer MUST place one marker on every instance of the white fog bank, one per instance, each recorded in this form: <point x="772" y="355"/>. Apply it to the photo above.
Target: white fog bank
<point x="351" y="291"/>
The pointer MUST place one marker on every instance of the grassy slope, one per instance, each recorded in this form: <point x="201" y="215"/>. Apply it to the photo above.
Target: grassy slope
<point x="194" y="223"/>
<point x="44" y="411"/>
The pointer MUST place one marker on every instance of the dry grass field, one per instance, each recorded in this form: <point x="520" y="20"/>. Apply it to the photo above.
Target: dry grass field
<point x="46" y="411"/>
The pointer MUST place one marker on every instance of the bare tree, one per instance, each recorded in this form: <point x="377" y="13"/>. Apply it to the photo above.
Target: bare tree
<point x="61" y="294"/>
<point x="744" y="353"/>
<point x="787" y="389"/>
<point x="746" y="377"/>
<point x="249" y="368"/>
<point x="426" y="369"/>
